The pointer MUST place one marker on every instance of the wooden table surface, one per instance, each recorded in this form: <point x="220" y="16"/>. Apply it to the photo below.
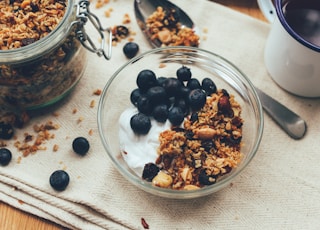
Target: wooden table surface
<point x="14" y="219"/>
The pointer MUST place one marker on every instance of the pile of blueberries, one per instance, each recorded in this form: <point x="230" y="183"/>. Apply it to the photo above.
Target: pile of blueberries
<point x="167" y="98"/>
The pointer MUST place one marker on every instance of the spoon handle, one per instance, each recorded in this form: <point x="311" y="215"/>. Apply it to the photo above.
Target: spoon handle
<point x="289" y="121"/>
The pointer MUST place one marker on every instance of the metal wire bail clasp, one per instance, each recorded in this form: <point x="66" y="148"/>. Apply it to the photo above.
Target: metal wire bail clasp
<point x="83" y="14"/>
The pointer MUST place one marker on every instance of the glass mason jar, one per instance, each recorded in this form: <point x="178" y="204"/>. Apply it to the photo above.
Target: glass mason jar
<point x="43" y="72"/>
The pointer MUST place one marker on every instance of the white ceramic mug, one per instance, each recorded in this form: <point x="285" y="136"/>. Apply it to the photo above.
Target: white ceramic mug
<point x="292" y="60"/>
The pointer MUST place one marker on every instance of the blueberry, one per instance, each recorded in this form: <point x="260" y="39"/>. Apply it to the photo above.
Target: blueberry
<point x="181" y="103"/>
<point x="140" y="124"/>
<point x="144" y="106"/>
<point x="146" y="79"/>
<point x="5" y="156"/>
<point x="80" y="145"/>
<point x="160" y="113"/>
<point x="184" y="73"/>
<point x="157" y="95"/>
<point x="194" y="84"/>
<point x="59" y="180"/>
<point x="172" y="86"/>
<point x="176" y="116"/>
<point x="183" y="92"/>
<point x="130" y="49"/>
<point x="135" y="96"/>
<point x="6" y="131"/>
<point x="197" y="99"/>
<point x="150" y="170"/>
<point x="208" y="86"/>
<point x="161" y="80"/>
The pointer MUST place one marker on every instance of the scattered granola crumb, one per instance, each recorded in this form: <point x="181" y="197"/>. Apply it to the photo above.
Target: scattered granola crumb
<point x="55" y="148"/>
<point x="3" y="144"/>
<point x="126" y="19"/>
<point x="19" y="159"/>
<point x="130" y="39"/>
<point x="162" y="65"/>
<point x="92" y="103"/>
<point x="20" y="201"/>
<point x="32" y="143"/>
<point x="97" y="92"/>
<point x="90" y="132"/>
<point x="56" y="114"/>
<point x="74" y="111"/>
<point x="80" y="119"/>
<point x="107" y="13"/>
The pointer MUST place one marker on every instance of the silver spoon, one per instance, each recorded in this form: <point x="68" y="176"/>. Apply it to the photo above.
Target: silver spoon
<point x="289" y="121"/>
<point x="144" y="8"/>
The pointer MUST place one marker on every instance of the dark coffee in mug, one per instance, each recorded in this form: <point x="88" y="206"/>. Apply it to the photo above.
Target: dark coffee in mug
<point x="303" y="16"/>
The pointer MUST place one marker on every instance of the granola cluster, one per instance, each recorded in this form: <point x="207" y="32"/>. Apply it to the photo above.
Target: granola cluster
<point x="164" y="26"/>
<point x="206" y="148"/>
<point x="23" y="22"/>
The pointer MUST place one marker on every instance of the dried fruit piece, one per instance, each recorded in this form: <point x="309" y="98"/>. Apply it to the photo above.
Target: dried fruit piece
<point x="150" y="170"/>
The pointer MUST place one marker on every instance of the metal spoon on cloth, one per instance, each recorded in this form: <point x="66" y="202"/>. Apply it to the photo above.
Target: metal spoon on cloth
<point x="289" y="121"/>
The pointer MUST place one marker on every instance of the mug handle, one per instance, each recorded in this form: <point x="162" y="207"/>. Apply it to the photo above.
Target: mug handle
<point x="268" y="9"/>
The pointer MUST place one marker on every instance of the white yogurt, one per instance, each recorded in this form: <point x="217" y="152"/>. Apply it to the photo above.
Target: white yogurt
<point x="137" y="150"/>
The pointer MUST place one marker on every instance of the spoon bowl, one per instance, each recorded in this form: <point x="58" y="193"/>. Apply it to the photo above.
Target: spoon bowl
<point x="144" y="8"/>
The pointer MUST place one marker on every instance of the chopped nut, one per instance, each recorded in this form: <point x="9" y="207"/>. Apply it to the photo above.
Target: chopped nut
<point x="164" y="36"/>
<point x="205" y="133"/>
<point x="186" y="174"/>
<point x="162" y="180"/>
<point x="190" y="187"/>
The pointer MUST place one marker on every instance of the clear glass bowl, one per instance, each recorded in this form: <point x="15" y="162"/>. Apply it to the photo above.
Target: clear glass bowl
<point x="116" y="98"/>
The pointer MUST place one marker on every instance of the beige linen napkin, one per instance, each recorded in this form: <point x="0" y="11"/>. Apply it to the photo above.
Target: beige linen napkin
<point x="280" y="189"/>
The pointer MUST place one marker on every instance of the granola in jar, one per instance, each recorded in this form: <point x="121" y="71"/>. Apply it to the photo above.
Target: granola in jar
<point x="41" y="58"/>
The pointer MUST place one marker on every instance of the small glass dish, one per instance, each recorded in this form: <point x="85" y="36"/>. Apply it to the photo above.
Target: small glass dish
<point x="164" y="62"/>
